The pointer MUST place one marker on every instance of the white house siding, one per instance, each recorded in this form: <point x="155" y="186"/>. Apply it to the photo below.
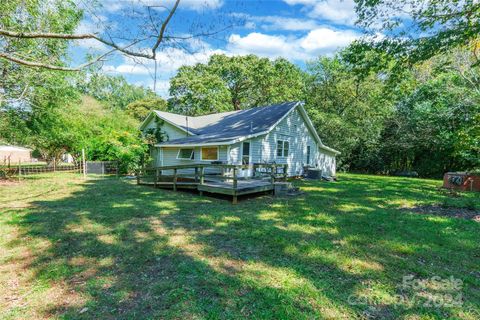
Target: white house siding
<point x="171" y="131"/>
<point x="294" y="130"/>
<point x="234" y="156"/>
<point x="326" y="161"/>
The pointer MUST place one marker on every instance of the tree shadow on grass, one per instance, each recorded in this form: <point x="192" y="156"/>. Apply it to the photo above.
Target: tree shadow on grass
<point x="135" y="252"/>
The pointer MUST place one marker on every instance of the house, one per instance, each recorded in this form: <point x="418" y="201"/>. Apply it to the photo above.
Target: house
<point x="280" y="133"/>
<point x="14" y="154"/>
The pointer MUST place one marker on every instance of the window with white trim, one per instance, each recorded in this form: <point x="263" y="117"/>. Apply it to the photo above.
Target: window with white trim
<point x="282" y="148"/>
<point x="185" y="154"/>
<point x="209" y="153"/>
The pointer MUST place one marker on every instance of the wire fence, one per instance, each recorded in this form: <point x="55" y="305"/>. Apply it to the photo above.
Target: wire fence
<point x="91" y="167"/>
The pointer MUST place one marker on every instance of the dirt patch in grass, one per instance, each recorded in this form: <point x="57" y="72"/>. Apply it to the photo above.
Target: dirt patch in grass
<point x="439" y="210"/>
<point x="6" y="183"/>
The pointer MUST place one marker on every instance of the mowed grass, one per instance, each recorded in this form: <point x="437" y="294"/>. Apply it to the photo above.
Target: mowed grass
<point x="107" y="248"/>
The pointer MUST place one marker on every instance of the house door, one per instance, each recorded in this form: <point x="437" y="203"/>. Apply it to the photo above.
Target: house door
<point x="246" y="159"/>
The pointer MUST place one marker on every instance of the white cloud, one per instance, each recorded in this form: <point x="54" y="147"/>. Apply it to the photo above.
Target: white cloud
<point x="337" y="11"/>
<point x="170" y="59"/>
<point x="168" y="62"/>
<point x="318" y="41"/>
<point x="136" y="69"/>
<point x="327" y="39"/>
<point x="260" y="44"/>
<point x="279" y="23"/>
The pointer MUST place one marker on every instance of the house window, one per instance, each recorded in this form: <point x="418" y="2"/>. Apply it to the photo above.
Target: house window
<point x="308" y="154"/>
<point x="210" y="153"/>
<point x="246" y="153"/>
<point x="282" y="148"/>
<point x="185" y="154"/>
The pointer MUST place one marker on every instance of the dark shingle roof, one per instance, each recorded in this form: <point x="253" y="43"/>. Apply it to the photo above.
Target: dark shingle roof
<point x="224" y="127"/>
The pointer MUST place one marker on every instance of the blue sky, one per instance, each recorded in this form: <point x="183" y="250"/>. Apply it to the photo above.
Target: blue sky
<point x="298" y="30"/>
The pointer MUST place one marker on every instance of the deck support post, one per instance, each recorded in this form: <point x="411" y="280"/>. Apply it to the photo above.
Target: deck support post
<point x="235" y="181"/>
<point x="235" y="199"/>
<point x="174" y="179"/>
<point x="202" y="178"/>
<point x="272" y="174"/>
<point x="202" y="175"/>
<point x="285" y="171"/>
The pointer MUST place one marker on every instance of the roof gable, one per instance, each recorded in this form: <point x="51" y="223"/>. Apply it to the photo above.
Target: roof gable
<point x="229" y="127"/>
<point x="226" y="124"/>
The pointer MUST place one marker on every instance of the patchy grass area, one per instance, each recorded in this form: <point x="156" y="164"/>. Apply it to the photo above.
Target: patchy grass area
<point x="75" y="249"/>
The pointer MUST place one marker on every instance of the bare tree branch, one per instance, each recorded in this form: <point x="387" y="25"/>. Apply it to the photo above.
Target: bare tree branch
<point x="48" y="35"/>
<point x="50" y="66"/>
<point x="66" y="36"/>
<point x="163" y="28"/>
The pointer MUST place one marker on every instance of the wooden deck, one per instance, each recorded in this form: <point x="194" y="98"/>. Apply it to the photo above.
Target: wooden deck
<point x="215" y="178"/>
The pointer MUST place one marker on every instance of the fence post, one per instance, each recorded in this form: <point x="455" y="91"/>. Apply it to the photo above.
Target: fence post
<point x="272" y="174"/>
<point x="84" y="167"/>
<point x="19" y="169"/>
<point x="156" y="178"/>
<point x="285" y="172"/>
<point x="54" y="164"/>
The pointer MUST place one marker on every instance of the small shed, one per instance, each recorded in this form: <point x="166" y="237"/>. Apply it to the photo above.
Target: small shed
<point x="15" y="154"/>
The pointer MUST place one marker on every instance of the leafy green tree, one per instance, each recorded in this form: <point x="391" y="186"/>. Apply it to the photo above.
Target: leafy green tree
<point x="416" y="30"/>
<point x="141" y="108"/>
<point x="349" y="112"/>
<point x="436" y="128"/>
<point x="19" y="84"/>
<point x="234" y="83"/>
<point x="114" y="90"/>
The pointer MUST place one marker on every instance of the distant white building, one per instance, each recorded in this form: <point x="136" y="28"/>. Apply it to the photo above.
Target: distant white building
<point x="67" y="158"/>
<point x="14" y="154"/>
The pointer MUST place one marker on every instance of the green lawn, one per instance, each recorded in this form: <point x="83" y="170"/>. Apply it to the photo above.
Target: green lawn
<point x="107" y="248"/>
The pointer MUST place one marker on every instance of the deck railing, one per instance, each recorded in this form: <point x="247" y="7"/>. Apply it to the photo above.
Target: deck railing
<point x="199" y="174"/>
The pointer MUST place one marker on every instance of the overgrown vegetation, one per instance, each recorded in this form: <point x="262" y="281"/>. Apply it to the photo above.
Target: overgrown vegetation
<point x="76" y="249"/>
<point x="409" y="102"/>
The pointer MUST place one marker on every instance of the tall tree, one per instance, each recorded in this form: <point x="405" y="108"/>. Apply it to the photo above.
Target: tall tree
<point x="234" y="83"/>
<point x="113" y="90"/>
<point x="348" y="111"/>
<point x="18" y="83"/>
<point x="141" y="108"/>
<point x="416" y="30"/>
<point x="436" y="128"/>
